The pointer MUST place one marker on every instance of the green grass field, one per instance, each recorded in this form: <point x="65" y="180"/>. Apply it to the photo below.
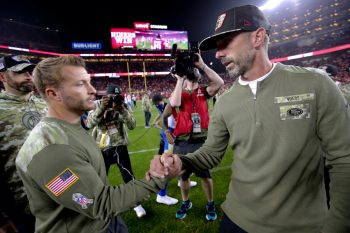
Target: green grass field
<point x="160" y="217"/>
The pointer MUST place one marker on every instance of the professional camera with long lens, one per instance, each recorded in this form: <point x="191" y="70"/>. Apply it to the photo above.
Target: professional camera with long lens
<point x="184" y="61"/>
<point x="118" y="99"/>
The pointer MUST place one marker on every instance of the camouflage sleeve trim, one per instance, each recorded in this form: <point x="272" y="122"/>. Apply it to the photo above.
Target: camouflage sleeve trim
<point x="129" y="119"/>
<point x="44" y="134"/>
<point x="94" y="117"/>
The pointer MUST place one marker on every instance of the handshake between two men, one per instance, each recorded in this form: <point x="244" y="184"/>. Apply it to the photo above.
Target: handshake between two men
<point x="165" y="166"/>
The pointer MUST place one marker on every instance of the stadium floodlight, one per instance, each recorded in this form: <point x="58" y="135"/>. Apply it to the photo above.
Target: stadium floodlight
<point x="270" y="4"/>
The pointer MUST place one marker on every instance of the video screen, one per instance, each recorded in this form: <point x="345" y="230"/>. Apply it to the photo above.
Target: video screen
<point x="161" y="39"/>
<point x="123" y="38"/>
<point x="148" y="39"/>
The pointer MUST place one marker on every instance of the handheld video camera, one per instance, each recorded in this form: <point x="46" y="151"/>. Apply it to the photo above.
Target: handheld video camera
<point x="184" y="61"/>
<point x="118" y="99"/>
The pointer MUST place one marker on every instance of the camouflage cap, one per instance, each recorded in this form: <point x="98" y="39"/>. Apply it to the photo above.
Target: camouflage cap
<point x="15" y="63"/>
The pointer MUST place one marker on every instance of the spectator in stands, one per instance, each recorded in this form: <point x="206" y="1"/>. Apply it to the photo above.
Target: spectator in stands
<point x="280" y="121"/>
<point x="61" y="166"/>
<point x="146" y="108"/>
<point x="191" y="114"/>
<point x="109" y="121"/>
<point x="20" y="112"/>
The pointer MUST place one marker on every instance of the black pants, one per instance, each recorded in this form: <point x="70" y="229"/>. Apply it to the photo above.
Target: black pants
<point x="161" y="147"/>
<point x="120" y="156"/>
<point x="184" y="147"/>
<point x="227" y="226"/>
<point x="327" y="181"/>
<point x="117" y="225"/>
<point x="25" y="223"/>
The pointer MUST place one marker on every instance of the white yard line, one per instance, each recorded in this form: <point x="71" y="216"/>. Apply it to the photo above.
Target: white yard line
<point x="143" y="151"/>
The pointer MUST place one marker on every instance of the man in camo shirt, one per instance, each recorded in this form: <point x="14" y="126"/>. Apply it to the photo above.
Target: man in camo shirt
<point x="110" y="120"/>
<point x="20" y="112"/>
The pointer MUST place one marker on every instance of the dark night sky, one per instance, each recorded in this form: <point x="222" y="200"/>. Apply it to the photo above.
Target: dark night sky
<point x="81" y="20"/>
<point x="84" y="21"/>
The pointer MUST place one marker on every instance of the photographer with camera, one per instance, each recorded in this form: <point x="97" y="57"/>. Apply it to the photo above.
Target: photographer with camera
<point x="190" y="109"/>
<point x="109" y="120"/>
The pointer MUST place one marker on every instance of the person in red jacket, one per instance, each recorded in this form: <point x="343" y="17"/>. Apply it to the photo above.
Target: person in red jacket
<point x="192" y="117"/>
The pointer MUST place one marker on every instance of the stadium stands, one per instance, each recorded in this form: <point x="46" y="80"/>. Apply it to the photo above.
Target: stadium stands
<point x="298" y="28"/>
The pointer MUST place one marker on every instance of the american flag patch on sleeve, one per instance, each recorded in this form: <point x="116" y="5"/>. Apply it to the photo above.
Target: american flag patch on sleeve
<point x="61" y="182"/>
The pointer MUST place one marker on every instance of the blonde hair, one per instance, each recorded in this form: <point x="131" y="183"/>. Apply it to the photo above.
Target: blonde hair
<point x="48" y="71"/>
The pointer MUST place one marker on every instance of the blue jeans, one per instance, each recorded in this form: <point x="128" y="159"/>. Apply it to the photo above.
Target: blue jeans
<point x="147" y="118"/>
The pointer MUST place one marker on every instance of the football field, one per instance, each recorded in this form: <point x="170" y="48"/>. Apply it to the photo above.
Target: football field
<point x="143" y="146"/>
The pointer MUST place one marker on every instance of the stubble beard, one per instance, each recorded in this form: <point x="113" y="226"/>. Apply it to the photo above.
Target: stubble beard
<point x="26" y="87"/>
<point x="241" y="64"/>
<point x="23" y="87"/>
<point x="76" y="106"/>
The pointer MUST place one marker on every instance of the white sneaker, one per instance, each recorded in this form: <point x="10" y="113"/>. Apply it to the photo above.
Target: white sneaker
<point x="140" y="211"/>
<point x="192" y="183"/>
<point x="166" y="200"/>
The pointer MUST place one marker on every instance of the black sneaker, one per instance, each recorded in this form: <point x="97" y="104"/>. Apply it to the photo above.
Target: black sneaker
<point x="181" y="213"/>
<point x="210" y="214"/>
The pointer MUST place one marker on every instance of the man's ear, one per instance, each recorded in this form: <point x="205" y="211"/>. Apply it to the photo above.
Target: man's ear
<point x="53" y="93"/>
<point x="2" y="77"/>
<point x="259" y="37"/>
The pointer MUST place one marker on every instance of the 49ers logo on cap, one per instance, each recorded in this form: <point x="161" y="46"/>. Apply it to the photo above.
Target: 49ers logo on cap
<point x="220" y="21"/>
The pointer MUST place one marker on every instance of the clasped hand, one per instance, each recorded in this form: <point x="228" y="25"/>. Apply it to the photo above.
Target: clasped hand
<point x="164" y="166"/>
